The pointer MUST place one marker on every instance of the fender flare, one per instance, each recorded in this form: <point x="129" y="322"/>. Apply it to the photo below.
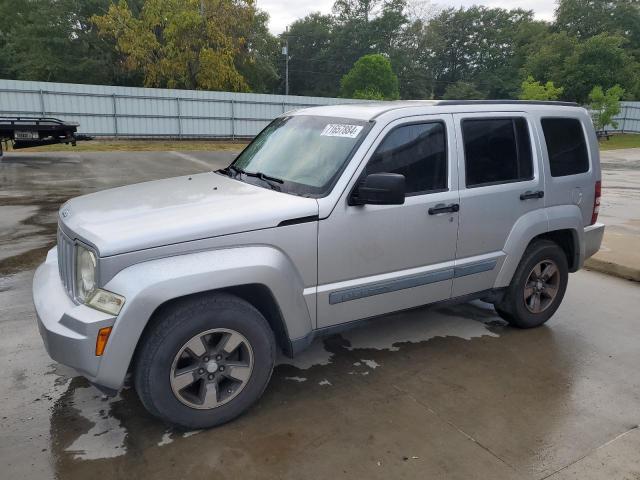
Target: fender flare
<point x="148" y="285"/>
<point x="536" y="223"/>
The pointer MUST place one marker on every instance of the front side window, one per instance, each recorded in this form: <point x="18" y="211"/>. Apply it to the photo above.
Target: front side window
<point x="304" y="153"/>
<point x="566" y="146"/>
<point x="417" y="151"/>
<point x="497" y="150"/>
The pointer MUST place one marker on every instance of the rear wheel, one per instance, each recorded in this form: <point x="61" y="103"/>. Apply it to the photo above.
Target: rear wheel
<point x="205" y="361"/>
<point x="537" y="287"/>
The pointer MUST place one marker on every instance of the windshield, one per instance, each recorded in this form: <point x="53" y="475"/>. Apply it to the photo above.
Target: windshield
<point x="303" y="154"/>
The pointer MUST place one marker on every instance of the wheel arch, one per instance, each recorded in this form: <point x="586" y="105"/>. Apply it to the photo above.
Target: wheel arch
<point x="255" y="294"/>
<point x="567" y="240"/>
<point x="562" y="224"/>
<point x="275" y="289"/>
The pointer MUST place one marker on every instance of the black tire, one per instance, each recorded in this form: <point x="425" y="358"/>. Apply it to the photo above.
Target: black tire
<point x="512" y="306"/>
<point x="166" y="337"/>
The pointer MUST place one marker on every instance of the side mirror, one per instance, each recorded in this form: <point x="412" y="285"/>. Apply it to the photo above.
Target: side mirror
<point x="380" y="189"/>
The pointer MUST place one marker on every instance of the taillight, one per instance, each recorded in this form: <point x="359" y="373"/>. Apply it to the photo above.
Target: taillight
<point x="596" y="202"/>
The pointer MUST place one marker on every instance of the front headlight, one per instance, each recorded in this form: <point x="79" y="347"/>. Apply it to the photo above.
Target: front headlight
<point x="86" y="263"/>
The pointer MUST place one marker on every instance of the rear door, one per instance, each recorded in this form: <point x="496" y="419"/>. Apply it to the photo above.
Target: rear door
<point x="500" y="182"/>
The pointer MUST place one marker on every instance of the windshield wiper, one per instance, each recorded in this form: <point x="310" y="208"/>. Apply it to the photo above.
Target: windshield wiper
<point x="264" y="176"/>
<point x="268" y="179"/>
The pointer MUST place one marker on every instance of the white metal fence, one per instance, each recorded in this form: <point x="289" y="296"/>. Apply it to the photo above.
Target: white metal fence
<point x="150" y="112"/>
<point x="628" y="119"/>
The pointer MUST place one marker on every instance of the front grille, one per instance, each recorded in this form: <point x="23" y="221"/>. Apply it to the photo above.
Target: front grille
<point x="66" y="261"/>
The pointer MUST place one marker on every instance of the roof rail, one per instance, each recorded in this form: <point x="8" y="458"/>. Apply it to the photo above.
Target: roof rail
<point x="506" y="102"/>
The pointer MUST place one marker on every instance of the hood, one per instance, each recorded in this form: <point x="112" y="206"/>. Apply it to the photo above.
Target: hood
<point x="175" y="210"/>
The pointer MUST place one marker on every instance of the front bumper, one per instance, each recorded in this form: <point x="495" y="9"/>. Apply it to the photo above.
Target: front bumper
<point x="68" y="330"/>
<point x="593" y="239"/>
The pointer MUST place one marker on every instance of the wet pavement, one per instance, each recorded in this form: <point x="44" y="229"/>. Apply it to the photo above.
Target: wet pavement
<point x="621" y="213"/>
<point x="431" y="393"/>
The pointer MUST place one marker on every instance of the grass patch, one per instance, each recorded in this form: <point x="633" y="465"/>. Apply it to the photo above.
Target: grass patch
<point x="616" y="142"/>
<point x="143" y="146"/>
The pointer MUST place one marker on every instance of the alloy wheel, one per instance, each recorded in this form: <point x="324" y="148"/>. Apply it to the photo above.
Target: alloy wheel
<point x="542" y="286"/>
<point x="212" y="368"/>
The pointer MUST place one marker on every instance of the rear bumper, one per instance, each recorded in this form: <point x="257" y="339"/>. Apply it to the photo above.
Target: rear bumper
<point x="593" y="239"/>
<point x="68" y="330"/>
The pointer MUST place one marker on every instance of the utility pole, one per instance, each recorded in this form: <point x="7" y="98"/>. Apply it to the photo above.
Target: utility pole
<point x="285" y="52"/>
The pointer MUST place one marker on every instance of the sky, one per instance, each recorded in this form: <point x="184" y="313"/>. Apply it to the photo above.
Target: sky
<point x="284" y="12"/>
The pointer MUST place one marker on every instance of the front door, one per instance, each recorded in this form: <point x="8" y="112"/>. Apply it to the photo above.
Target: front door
<point x="375" y="259"/>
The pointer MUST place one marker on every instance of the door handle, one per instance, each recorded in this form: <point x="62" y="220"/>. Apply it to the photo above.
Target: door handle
<point x="442" y="208"/>
<point x="529" y="195"/>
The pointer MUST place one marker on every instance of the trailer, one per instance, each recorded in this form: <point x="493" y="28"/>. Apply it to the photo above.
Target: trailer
<point x="25" y="132"/>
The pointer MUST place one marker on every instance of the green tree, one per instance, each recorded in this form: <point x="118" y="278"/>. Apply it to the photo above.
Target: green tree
<point x="476" y="45"/>
<point x="599" y="60"/>
<point x="548" y="62"/>
<point x="371" y="77"/>
<point x="533" y="90"/>
<point x="183" y="43"/>
<point x="588" y="18"/>
<point x="462" y="91"/>
<point x="55" y="40"/>
<point x="312" y="67"/>
<point x="605" y="106"/>
<point x="257" y="59"/>
<point x="578" y="65"/>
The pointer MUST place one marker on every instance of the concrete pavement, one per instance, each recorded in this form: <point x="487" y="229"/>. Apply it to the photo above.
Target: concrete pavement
<point x="431" y="393"/>
<point x="620" y="211"/>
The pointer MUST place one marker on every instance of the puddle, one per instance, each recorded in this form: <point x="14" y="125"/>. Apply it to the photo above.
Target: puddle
<point x="416" y="327"/>
<point x="105" y="439"/>
<point x="25" y="261"/>
<point x="372" y="364"/>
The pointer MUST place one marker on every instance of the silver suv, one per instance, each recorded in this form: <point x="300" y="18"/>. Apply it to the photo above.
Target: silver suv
<point x="330" y="216"/>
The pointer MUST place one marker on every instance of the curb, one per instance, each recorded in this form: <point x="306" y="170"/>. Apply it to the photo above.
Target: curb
<point x="614" y="269"/>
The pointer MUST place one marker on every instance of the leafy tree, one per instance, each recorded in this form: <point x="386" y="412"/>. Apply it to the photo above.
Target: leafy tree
<point x="548" y="62"/>
<point x="55" y="40"/>
<point x="605" y="105"/>
<point x="257" y="60"/>
<point x="599" y="60"/>
<point x="588" y="18"/>
<point x="363" y="27"/>
<point x="462" y="91"/>
<point x="371" y="77"/>
<point x="312" y="68"/>
<point x="183" y="43"/>
<point x="579" y="65"/>
<point x="533" y="90"/>
<point x="476" y="45"/>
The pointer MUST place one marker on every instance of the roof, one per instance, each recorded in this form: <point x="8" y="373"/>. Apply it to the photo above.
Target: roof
<point x="372" y="110"/>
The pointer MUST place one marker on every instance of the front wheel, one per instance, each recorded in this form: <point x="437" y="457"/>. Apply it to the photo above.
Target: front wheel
<point x="204" y="361"/>
<point x="537" y="287"/>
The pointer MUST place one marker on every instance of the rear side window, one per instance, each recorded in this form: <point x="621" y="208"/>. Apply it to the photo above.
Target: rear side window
<point x="417" y="151"/>
<point x="566" y="146"/>
<point x="497" y="150"/>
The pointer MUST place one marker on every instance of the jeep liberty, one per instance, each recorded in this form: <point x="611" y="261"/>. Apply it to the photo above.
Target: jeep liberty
<point x="331" y="215"/>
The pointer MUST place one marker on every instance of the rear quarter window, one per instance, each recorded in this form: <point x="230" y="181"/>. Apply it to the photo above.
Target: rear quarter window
<point x="567" y="147"/>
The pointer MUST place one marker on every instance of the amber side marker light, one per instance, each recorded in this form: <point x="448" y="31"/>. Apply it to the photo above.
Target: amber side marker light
<point x="101" y="340"/>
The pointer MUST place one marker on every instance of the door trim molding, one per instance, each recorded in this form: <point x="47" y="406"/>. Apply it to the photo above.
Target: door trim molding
<point x="411" y="281"/>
